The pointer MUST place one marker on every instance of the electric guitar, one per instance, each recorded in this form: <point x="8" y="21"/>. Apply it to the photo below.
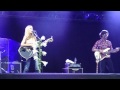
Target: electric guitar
<point x="105" y="54"/>
<point x="28" y="51"/>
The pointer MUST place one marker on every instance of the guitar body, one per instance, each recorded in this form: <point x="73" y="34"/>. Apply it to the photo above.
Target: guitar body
<point x="26" y="52"/>
<point x="99" y="57"/>
<point x="106" y="54"/>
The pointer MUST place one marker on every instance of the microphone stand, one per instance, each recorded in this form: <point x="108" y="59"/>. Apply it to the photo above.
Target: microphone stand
<point x="39" y="50"/>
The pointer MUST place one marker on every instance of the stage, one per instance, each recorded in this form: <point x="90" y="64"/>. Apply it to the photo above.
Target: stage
<point x="61" y="76"/>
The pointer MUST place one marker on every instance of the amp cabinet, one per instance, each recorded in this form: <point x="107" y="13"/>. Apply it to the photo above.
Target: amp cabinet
<point x="11" y="67"/>
<point x="75" y="70"/>
<point x="10" y="48"/>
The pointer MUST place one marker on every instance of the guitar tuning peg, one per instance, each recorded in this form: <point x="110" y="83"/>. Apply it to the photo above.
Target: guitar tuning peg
<point x="51" y="36"/>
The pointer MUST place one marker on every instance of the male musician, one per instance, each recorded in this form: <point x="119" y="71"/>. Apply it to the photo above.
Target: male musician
<point x="101" y="45"/>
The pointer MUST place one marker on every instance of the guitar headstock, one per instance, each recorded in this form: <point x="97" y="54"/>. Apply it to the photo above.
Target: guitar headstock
<point x="42" y="38"/>
<point x="117" y="49"/>
<point x="50" y="39"/>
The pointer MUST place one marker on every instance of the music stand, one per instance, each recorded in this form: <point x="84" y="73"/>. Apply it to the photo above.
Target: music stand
<point x="0" y="61"/>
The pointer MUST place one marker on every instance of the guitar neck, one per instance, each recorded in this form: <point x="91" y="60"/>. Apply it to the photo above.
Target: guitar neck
<point x="112" y="51"/>
<point x="48" y="40"/>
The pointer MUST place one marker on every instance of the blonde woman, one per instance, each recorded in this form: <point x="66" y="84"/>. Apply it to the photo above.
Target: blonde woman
<point x="29" y="40"/>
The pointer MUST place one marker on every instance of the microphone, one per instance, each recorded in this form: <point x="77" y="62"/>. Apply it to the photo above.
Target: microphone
<point x="34" y="31"/>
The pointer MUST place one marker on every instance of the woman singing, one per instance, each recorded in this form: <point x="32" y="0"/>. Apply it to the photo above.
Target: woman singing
<point x="29" y="41"/>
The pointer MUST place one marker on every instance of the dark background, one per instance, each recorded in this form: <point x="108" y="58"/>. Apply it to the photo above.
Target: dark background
<point x="72" y="38"/>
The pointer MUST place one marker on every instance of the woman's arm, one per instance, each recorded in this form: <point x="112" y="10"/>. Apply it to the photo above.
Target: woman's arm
<point x="23" y="43"/>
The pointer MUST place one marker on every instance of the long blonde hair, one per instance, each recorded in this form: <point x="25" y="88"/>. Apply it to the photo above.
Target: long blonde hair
<point x="27" y="32"/>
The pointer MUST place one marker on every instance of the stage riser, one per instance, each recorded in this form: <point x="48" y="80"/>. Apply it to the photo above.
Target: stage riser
<point x="58" y="76"/>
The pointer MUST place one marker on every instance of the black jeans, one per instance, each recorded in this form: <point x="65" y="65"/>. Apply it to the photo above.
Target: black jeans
<point x="106" y="64"/>
<point x="27" y="65"/>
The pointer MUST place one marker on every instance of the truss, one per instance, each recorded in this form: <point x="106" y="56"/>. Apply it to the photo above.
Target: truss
<point x="75" y="15"/>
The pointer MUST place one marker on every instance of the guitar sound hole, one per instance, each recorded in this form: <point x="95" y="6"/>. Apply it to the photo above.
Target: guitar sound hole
<point x="26" y="48"/>
<point x="23" y="50"/>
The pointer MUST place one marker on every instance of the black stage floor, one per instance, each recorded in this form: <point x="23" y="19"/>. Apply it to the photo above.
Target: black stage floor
<point x="61" y="76"/>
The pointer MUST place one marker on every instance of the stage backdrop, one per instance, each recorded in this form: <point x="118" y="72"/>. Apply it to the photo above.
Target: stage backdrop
<point x="71" y="39"/>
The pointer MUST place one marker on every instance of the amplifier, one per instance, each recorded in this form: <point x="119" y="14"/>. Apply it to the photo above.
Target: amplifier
<point x="11" y="67"/>
<point x="10" y="48"/>
<point x="73" y="70"/>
